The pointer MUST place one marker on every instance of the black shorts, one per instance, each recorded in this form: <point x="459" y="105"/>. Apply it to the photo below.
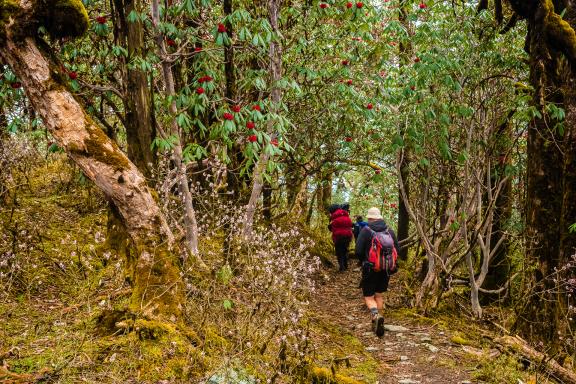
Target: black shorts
<point x="374" y="282"/>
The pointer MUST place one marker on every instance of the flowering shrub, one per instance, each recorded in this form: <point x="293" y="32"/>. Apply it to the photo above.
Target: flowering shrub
<point x="253" y="307"/>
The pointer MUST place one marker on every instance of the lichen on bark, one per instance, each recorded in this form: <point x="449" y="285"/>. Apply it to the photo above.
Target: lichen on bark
<point x="102" y="149"/>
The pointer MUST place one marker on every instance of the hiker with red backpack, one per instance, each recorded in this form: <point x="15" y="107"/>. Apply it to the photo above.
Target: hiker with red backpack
<point x="341" y="228"/>
<point x="376" y="248"/>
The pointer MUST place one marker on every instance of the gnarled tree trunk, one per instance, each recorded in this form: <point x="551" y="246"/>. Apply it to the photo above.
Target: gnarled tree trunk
<point x="551" y="175"/>
<point x="157" y="288"/>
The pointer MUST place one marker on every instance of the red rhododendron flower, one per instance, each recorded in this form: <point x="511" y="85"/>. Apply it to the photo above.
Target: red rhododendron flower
<point x="221" y="28"/>
<point x="199" y="90"/>
<point x="359" y="4"/>
<point x="345" y="62"/>
<point x="198" y="49"/>
<point x="228" y="116"/>
<point x="378" y="171"/>
<point x="256" y="107"/>
<point x="349" y="82"/>
<point x="348" y="139"/>
<point x="423" y="6"/>
<point x="323" y="5"/>
<point x="369" y="106"/>
<point x="236" y="108"/>
<point x="72" y="75"/>
<point x="349" y="5"/>
<point x="101" y="20"/>
<point x="170" y="42"/>
<point x="252" y="138"/>
<point x="417" y="60"/>
<point x="250" y="125"/>
<point x="16" y="84"/>
<point x="274" y="142"/>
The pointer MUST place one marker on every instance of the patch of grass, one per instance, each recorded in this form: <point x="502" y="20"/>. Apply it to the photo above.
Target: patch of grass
<point x="503" y="369"/>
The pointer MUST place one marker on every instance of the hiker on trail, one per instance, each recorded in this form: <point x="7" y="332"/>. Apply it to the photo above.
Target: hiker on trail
<point x="346" y="207"/>
<point x="376" y="248"/>
<point x="341" y="228"/>
<point x="358" y="225"/>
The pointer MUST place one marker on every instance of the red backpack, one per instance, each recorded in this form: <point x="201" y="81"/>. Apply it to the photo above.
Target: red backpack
<point x="382" y="254"/>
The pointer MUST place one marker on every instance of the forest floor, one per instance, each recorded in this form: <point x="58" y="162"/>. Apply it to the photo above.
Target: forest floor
<point x="446" y="348"/>
<point x="58" y="224"/>
<point x="413" y="350"/>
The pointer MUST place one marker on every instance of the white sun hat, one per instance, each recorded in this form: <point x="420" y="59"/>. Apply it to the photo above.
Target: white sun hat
<point x="374" y="213"/>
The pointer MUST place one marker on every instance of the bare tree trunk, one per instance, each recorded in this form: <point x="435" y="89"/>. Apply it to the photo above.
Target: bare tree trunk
<point x="499" y="270"/>
<point x="267" y="202"/>
<point x="139" y="113"/>
<point x="140" y="130"/>
<point x="157" y="287"/>
<point x="427" y="296"/>
<point x="275" y="71"/>
<point x="326" y="191"/>
<point x="190" y="223"/>
<point x="403" y="216"/>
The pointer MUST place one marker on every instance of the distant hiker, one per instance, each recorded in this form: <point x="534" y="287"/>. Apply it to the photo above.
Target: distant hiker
<point x="346" y="207"/>
<point x="341" y="228"/>
<point x="358" y="225"/>
<point x="376" y="248"/>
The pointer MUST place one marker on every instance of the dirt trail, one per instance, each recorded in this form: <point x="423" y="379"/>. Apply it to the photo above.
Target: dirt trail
<point x="410" y="352"/>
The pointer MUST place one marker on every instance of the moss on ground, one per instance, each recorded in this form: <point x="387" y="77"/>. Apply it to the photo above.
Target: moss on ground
<point x="338" y="343"/>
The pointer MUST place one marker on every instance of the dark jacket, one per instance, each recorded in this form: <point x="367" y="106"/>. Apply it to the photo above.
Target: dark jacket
<point x="364" y="240"/>
<point x="340" y="225"/>
<point x="358" y="226"/>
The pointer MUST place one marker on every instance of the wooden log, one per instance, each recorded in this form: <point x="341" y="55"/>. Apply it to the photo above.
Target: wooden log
<point x="538" y="359"/>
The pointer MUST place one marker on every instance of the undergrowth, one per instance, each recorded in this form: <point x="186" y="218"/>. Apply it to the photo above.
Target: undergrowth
<point x="246" y="317"/>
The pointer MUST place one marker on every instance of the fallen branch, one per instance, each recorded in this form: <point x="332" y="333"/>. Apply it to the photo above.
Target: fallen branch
<point x="539" y="359"/>
<point x="7" y="377"/>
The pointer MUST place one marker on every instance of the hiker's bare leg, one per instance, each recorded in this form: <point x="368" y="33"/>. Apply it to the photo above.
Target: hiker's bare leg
<point x="371" y="302"/>
<point x="379" y="300"/>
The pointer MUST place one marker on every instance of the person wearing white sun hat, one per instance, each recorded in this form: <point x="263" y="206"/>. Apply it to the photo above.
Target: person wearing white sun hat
<point x="373" y="283"/>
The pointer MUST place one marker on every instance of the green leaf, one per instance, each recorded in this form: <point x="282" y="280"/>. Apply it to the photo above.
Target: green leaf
<point x="227" y="304"/>
<point x="225" y="274"/>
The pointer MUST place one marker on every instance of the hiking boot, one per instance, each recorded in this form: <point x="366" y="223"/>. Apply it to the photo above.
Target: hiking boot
<point x="379" y="326"/>
<point x="374" y="322"/>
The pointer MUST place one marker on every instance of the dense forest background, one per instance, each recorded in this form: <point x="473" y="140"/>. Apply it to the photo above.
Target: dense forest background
<point x="166" y="168"/>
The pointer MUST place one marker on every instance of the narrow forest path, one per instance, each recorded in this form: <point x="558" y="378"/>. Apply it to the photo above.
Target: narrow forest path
<point x="411" y="351"/>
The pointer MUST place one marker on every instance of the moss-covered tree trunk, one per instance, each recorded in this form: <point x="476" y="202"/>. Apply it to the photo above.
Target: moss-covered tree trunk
<point x="551" y="175"/>
<point x="157" y="290"/>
